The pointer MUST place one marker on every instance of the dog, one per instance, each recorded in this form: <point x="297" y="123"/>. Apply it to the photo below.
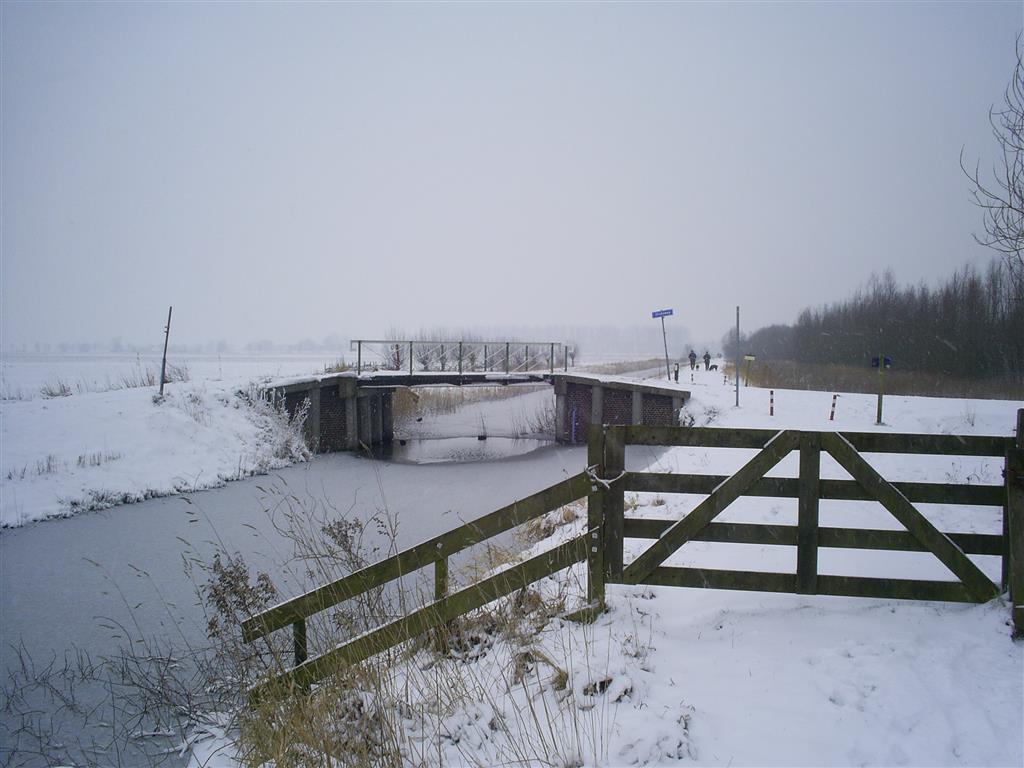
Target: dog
<point x="713" y="368"/>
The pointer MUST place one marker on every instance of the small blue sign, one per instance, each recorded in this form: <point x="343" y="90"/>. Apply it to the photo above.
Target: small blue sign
<point x="887" y="361"/>
<point x="661" y="313"/>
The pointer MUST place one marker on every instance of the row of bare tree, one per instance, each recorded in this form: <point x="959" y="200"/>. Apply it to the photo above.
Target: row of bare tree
<point x="971" y="325"/>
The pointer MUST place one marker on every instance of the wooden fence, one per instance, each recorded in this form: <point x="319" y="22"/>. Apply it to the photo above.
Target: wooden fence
<point x="605" y="484"/>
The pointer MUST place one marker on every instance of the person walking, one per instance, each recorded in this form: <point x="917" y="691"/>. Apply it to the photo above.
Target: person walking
<point x="707" y="360"/>
<point x="693" y="359"/>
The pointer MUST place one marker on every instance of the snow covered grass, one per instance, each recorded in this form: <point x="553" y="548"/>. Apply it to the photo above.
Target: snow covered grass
<point x="97" y="449"/>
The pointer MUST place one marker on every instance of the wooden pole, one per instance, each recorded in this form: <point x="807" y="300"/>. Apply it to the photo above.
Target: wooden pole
<point x="595" y="520"/>
<point x="299" y="641"/>
<point x="881" y="388"/>
<point x="807" y="513"/>
<point x="1014" y="475"/>
<point x="163" y="365"/>
<point x="614" y="502"/>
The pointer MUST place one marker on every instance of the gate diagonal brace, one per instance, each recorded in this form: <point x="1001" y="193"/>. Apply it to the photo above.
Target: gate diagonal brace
<point x="774" y="451"/>
<point x="931" y="538"/>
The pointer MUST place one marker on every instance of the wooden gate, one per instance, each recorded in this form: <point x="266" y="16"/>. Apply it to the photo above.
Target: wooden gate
<point x="607" y="450"/>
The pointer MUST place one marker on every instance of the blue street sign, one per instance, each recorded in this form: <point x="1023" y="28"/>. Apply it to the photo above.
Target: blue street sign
<point x="661" y="313"/>
<point x="887" y="361"/>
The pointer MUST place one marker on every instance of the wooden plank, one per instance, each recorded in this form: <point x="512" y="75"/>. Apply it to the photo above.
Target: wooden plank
<point x="829" y="538"/>
<point x="725" y="533"/>
<point x="614" y="501"/>
<point x="416" y="557"/>
<point x="595" y="518"/>
<point x="702" y="437"/>
<point x="836" y="490"/>
<point x="865" y="442"/>
<point x="977" y="584"/>
<point x="680" y="532"/>
<point x="946" y="445"/>
<point x="423" y="619"/>
<point x="710" y="578"/>
<point x="807" y="512"/>
<point x="839" y="586"/>
<point x="893" y="589"/>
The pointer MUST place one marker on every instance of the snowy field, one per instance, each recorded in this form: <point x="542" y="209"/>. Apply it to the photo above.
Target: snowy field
<point x="667" y="676"/>
<point x="22" y="376"/>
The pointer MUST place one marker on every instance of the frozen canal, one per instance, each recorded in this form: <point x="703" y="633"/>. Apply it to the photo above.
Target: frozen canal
<point x="72" y="583"/>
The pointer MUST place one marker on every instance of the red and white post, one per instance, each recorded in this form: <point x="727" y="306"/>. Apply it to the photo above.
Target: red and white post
<point x="832" y="414"/>
<point x="771" y="402"/>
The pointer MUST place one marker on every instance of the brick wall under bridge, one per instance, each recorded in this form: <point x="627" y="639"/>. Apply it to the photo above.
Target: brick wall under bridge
<point x="345" y="411"/>
<point x="584" y="400"/>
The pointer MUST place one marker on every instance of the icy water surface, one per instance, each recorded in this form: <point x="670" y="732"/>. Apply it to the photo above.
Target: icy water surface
<point x="92" y="582"/>
<point x="438" y="450"/>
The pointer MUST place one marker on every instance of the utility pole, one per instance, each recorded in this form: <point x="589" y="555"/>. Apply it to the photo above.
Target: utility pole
<point x="163" y="364"/>
<point x="736" y="371"/>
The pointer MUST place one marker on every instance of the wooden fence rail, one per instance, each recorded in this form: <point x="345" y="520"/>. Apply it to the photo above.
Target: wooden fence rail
<point x="445" y="607"/>
<point x="605" y="483"/>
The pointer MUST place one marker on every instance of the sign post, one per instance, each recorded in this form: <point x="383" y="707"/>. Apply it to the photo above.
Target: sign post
<point x="746" y="374"/>
<point x="881" y="363"/>
<point x="736" y="370"/>
<point x="663" y="313"/>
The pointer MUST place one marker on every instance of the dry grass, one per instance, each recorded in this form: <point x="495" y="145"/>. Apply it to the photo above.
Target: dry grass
<point x="627" y="366"/>
<point x="843" y="378"/>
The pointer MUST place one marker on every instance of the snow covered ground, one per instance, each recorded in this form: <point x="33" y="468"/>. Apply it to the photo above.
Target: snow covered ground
<point x="90" y="451"/>
<point x="673" y="676"/>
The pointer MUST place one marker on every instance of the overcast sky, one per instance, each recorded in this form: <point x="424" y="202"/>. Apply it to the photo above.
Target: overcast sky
<point x="294" y="170"/>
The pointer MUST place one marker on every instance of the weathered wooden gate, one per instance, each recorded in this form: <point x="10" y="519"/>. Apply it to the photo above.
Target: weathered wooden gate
<point x="607" y="451"/>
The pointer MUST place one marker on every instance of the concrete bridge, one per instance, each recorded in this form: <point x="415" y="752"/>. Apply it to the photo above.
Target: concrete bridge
<point x="348" y="410"/>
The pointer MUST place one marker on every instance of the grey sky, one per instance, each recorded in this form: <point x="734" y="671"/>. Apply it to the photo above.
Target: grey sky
<point x="283" y="171"/>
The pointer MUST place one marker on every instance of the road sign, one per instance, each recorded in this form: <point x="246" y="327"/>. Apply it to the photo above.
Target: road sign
<point x="661" y="313"/>
<point x="749" y="358"/>
<point x="887" y="361"/>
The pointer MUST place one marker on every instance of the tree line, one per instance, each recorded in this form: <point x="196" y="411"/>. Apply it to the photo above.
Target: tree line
<point x="970" y="325"/>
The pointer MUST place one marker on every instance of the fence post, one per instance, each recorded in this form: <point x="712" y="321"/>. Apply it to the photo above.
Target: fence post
<point x="506" y="358"/>
<point x="614" y="502"/>
<point x="595" y="520"/>
<point x="299" y="641"/>
<point x="551" y="359"/>
<point x="807" y="513"/>
<point x="410" y="358"/>
<point x="1014" y="526"/>
<point x="460" y="358"/>
<point x="359" y="357"/>
<point x="440" y="593"/>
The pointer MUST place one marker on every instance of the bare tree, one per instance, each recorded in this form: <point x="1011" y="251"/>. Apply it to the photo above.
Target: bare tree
<point x="1002" y="198"/>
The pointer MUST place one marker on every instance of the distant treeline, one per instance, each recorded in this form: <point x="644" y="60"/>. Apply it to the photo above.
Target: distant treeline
<point x="971" y="325"/>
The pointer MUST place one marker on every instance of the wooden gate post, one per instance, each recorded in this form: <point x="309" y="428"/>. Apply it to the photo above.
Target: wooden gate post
<point x="1014" y="526"/>
<point x="595" y="519"/>
<point x="807" y="513"/>
<point x="614" y="502"/>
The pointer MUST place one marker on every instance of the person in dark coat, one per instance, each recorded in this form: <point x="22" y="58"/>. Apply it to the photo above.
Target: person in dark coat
<point x="707" y="360"/>
<point x="693" y="359"/>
